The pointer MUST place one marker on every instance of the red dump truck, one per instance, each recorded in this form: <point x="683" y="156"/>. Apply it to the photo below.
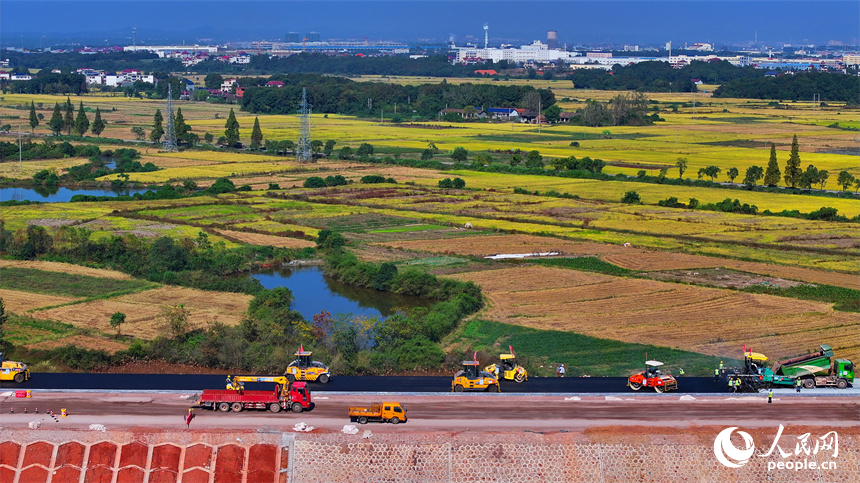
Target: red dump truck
<point x="384" y="412"/>
<point x="295" y="397"/>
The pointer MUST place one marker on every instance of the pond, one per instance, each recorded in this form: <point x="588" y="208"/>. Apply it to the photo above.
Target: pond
<point x="314" y="292"/>
<point x="54" y="194"/>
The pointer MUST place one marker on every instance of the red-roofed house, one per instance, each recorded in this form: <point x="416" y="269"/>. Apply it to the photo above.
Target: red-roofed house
<point x="486" y="72"/>
<point x="278" y="84"/>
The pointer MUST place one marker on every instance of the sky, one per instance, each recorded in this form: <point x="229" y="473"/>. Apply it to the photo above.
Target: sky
<point x="577" y="21"/>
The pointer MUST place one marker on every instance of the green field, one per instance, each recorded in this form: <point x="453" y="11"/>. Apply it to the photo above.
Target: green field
<point x="66" y="284"/>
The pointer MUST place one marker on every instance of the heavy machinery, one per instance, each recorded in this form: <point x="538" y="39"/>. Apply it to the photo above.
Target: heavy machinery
<point x="13" y="371"/>
<point x="384" y="412"/>
<point x="472" y="378"/>
<point x="508" y="368"/>
<point x="755" y="374"/>
<point x="289" y="396"/>
<point x="652" y="377"/>
<point x="818" y="369"/>
<point x="304" y="369"/>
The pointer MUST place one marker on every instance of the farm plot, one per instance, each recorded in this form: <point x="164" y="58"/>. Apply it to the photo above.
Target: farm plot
<point x="82" y="341"/>
<point x="65" y="284"/>
<point x="265" y="240"/>
<point x="65" y="268"/>
<point x="143" y="308"/>
<point x="625" y="257"/>
<point x="19" y="302"/>
<point x="710" y="321"/>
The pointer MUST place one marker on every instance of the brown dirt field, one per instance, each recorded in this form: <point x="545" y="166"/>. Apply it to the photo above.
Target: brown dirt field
<point x="626" y="257"/>
<point x="706" y="320"/>
<point x="722" y="278"/>
<point x="266" y="240"/>
<point x="66" y="268"/>
<point x="84" y="341"/>
<point x="143" y="308"/>
<point x="20" y="302"/>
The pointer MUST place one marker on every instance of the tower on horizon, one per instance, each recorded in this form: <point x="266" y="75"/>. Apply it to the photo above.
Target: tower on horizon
<point x="486" y="35"/>
<point x="552" y="39"/>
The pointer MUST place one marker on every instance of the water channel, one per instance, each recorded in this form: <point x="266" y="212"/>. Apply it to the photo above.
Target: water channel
<point x="314" y="292"/>
<point x="58" y="194"/>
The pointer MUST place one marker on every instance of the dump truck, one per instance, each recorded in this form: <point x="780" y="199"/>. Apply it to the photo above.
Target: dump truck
<point x="384" y="412"/>
<point x="652" y="377"/>
<point x="287" y="396"/>
<point x="13" y="371"/>
<point x="819" y="369"/>
<point x="473" y="379"/>
<point x="508" y="368"/>
<point x="304" y="369"/>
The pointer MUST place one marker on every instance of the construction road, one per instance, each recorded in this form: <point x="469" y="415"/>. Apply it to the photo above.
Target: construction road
<point x="471" y="411"/>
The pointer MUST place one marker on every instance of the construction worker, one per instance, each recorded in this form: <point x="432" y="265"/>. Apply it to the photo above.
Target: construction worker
<point x="681" y="371"/>
<point x="229" y="382"/>
<point x="189" y="417"/>
<point x="770" y="396"/>
<point x="560" y="371"/>
<point x="721" y="365"/>
<point x="716" y="375"/>
<point x="797" y="385"/>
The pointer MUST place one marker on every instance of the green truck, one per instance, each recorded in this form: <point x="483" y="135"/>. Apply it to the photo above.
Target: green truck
<point x="819" y="369"/>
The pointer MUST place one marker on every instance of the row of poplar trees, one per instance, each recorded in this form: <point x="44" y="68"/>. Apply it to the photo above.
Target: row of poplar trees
<point x="64" y="119"/>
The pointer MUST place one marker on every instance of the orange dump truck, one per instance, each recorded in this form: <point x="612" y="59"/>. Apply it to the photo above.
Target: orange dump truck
<point x="384" y="412"/>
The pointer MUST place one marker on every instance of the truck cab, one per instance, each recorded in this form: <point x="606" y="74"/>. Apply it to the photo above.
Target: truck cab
<point x="386" y="412"/>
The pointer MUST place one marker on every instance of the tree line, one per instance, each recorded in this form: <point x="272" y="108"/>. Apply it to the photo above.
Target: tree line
<point x="799" y="86"/>
<point x="658" y="76"/>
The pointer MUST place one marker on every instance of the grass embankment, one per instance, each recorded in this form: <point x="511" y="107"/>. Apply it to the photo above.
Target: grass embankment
<point x="68" y="284"/>
<point x="540" y="351"/>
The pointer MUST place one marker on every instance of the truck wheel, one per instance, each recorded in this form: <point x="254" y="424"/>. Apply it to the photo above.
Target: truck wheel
<point x="297" y="407"/>
<point x="635" y="386"/>
<point x="395" y="421"/>
<point x="236" y="407"/>
<point x="809" y="383"/>
<point x="658" y="388"/>
<point x="493" y="388"/>
<point x="362" y="420"/>
<point x="223" y="407"/>
<point x="275" y="407"/>
<point x="842" y="384"/>
<point x="323" y="379"/>
<point x="291" y="378"/>
<point x="19" y="378"/>
<point x="519" y="378"/>
<point x="458" y="388"/>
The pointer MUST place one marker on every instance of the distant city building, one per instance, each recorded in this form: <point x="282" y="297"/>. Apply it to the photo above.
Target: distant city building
<point x="537" y="51"/>
<point x="701" y="46"/>
<point x="851" y="59"/>
<point x="292" y="37"/>
<point x="164" y="50"/>
<point x="313" y="36"/>
<point x="552" y="40"/>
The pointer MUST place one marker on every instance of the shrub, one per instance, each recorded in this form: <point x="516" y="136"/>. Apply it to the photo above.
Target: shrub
<point x="631" y="198"/>
<point x="458" y="183"/>
<point x="446" y="183"/>
<point x="314" y="182"/>
<point x="373" y="179"/>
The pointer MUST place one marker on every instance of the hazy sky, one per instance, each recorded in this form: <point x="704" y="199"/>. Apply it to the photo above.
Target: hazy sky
<point x="631" y="21"/>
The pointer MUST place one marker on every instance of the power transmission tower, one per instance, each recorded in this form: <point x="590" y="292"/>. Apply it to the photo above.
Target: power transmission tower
<point x="170" y="133"/>
<point x="303" y="148"/>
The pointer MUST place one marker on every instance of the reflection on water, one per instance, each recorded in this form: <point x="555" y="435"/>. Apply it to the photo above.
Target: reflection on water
<point x="314" y="292"/>
<point x="56" y="194"/>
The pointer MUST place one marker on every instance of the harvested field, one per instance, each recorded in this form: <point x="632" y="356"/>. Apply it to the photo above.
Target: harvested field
<point x="721" y="278"/>
<point x="706" y="320"/>
<point x="82" y="341"/>
<point x="20" y="302"/>
<point x="265" y="240"/>
<point x="143" y="308"/>
<point x="66" y="268"/>
<point x="626" y="257"/>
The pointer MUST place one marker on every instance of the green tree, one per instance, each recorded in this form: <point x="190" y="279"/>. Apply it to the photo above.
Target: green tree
<point x="681" y="164"/>
<point x="460" y="154"/>
<point x="56" y="122"/>
<point x="98" y="124"/>
<point x="631" y="198"/>
<point x="329" y="147"/>
<point x="823" y="175"/>
<point x="116" y="320"/>
<point x="345" y="153"/>
<point x="34" y="120"/>
<point x="792" y="167"/>
<point x="845" y="179"/>
<point x="534" y="159"/>
<point x="316" y="146"/>
<point x="314" y="182"/>
<point x="364" y="150"/>
<point x="732" y="174"/>
<point x="139" y="133"/>
<point x="213" y="81"/>
<point x="808" y="178"/>
<point x="231" y="129"/>
<point x="427" y="154"/>
<point x="256" y="134"/>
<point x="175" y="319"/>
<point x="772" y="173"/>
<point x="69" y="117"/>
<point x="516" y="159"/>
<point x="552" y="114"/>
<point x="753" y="174"/>
<point x="3" y="318"/>
<point x="458" y="183"/>
<point x="180" y="127"/>
<point x="446" y="183"/>
<point x="157" y="127"/>
<point x="711" y="172"/>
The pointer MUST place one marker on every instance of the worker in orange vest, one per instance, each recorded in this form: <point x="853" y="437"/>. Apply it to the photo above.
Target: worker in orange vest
<point x="189" y="417"/>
